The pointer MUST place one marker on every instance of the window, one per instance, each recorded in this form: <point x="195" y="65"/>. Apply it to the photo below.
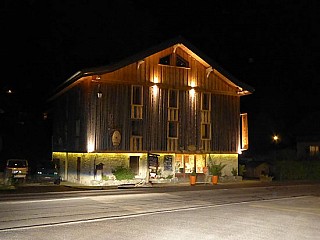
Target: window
<point x="136" y="102"/>
<point x="180" y="62"/>
<point x="173" y="129"/>
<point x="205" y="131"/>
<point x="165" y="60"/>
<point x="173" y="98"/>
<point x="136" y="127"/>
<point x="314" y="150"/>
<point x="206" y="101"/>
<point x="136" y="98"/>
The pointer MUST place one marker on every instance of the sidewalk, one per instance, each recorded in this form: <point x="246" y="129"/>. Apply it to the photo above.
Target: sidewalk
<point x="69" y="186"/>
<point x="243" y="183"/>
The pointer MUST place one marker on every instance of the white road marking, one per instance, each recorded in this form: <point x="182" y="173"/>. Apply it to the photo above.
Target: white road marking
<point x="140" y="214"/>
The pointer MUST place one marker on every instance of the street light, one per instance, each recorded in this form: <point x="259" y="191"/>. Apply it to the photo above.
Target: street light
<point x="276" y="140"/>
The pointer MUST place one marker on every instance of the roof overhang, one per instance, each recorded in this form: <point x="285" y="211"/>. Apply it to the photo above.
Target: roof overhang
<point x="212" y="66"/>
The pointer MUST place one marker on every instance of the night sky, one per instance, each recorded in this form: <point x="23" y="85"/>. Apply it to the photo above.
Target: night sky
<point x="271" y="45"/>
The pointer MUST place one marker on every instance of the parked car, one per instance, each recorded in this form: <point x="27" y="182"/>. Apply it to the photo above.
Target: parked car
<point x="47" y="172"/>
<point x="16" y="170"/>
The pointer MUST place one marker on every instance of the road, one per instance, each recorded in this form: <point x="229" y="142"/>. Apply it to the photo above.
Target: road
<point x="266" y="212"/>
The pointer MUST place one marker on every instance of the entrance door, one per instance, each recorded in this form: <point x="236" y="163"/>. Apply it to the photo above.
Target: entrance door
<point x="134" y="164"/>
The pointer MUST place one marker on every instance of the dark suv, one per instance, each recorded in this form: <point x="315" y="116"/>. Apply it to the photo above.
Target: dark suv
<point x="47" y="172"/>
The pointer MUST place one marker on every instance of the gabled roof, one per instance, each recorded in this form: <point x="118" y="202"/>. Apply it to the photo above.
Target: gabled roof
<point x="178" y="41"/>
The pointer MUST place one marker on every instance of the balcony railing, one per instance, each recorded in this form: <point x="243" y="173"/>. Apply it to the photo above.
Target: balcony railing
<point x="172" y="144"/>
<point x="205" y="144"/>
<point x="173" y="114"/>
<point x="205" y="116"/>
<point x="136" y="111"/>
<point x="136" y="143"/>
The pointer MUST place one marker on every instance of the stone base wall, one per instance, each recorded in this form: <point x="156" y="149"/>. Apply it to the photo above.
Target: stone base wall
<point x="231" y="161"/>
<point x="81" y="167"/>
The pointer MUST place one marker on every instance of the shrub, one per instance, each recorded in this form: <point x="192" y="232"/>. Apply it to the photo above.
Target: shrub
<point x="123" y="173"/>
<point x="297" y="170"/>
<point x="242" y="169"/>
<point x="234" y="171"/>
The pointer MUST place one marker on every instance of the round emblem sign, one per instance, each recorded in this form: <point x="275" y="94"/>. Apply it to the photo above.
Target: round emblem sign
<point x="116" y="138"/>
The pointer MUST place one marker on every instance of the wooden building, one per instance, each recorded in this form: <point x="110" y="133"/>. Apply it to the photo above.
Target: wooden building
<point x="161" y="112"/>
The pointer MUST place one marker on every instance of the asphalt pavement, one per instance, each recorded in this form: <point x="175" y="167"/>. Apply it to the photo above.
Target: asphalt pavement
<point x="69" y="186"/>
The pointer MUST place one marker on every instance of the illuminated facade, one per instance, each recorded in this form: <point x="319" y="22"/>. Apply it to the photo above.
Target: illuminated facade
<point x="161" y="113"/>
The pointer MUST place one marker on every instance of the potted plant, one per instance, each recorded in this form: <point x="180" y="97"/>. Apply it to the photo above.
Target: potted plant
<point x="193" y="178"/>
<point x="215" y="170"/>
<point x="234" y="172"/>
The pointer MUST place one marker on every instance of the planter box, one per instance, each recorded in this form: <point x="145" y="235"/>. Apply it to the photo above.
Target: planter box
<point x="226" y="179"/>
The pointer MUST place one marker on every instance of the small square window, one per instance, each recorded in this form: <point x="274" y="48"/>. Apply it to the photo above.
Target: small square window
<point x="136" y="95"/>
<point x="173" y="98"/>
<point x="205" y="101"/>
<point x="205" y="131"/>
<point x="136" y="128"/>
<point x="173" y="129"/>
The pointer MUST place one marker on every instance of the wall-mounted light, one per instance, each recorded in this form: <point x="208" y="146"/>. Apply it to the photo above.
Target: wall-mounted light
<point x="155" y="79"/>
<point x="99" y="94"/>
<point x="155" y="90"/>
<point x="192" y="92"/>
<point x="90" y="146"/>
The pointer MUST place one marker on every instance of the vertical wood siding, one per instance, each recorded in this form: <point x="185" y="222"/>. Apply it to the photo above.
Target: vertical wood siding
<point x="99" y="118"/>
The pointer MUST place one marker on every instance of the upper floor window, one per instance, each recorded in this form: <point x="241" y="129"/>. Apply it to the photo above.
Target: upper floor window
<point x="136" y="95"/>
<point x="205" y="131"/>
<point x="165" y="60"/>
<point x="180" y="62"/>
<point x="314" y="150"/>
<point x="206" y="101"/>
<point x="173" y="98"/>
<point x="136" y="128"/>
<point x="173" y="129"/>
<point x="136" y="102"/>
<point x="176" y="61"/>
